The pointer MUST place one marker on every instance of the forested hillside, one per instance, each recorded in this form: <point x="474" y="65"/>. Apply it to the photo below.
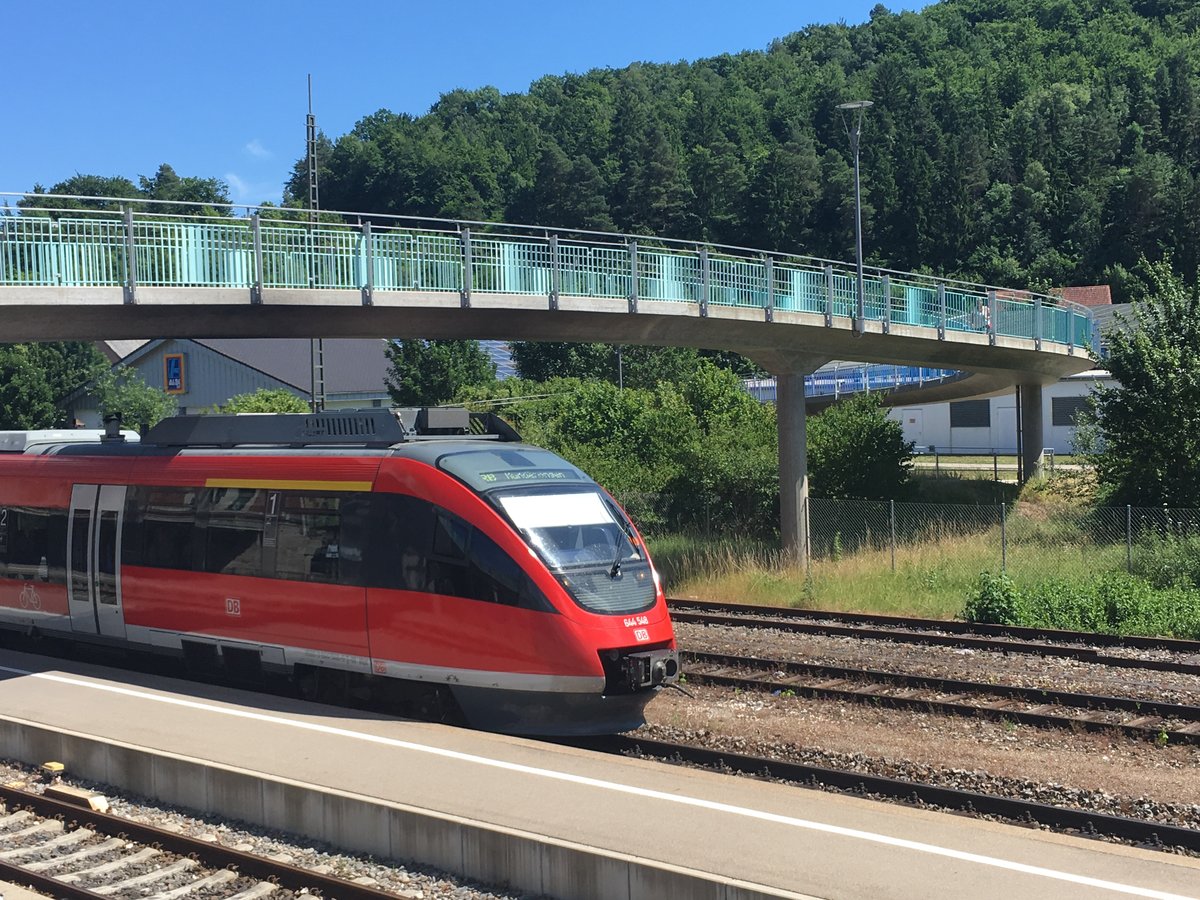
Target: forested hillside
<point x="1049" y="142"/>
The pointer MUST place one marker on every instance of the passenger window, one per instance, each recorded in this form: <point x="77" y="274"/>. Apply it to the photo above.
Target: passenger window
<point x="309" y="547"/>
<point x="168" y="525"/>
<point x="495" y="576"/>
<point x="33" y="543"/>
<point x="448" y="564"/>
<point x="401" y="537"/>
<point x="450" y="537"/>
<point x="416" y="546"/>
<point x="234" y="531"/>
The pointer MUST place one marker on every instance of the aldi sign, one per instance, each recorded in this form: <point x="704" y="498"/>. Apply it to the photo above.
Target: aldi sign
<point x="174" y="380"/>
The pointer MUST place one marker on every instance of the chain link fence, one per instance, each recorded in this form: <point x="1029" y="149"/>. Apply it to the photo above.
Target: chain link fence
<point x="922" y="555"/>
<point x="1022" y="539"/>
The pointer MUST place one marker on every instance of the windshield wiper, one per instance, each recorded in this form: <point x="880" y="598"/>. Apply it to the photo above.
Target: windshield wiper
<point x="615" y="569"/>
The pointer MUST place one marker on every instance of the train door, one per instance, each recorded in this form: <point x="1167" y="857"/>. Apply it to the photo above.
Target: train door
<point x="94" y="558"/>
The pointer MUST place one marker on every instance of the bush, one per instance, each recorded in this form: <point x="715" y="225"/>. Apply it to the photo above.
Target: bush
<point x="1065" y="603"/>
<point x="1169" y="561"/>
<point x="1112" y="603"/>
<point x="856" y="451"/>
<point x="996" y="601"/>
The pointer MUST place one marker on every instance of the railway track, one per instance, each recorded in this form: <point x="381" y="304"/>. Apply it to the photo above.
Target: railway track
<point x="66" y="851"/>
<point x="1156" y="654"/>
<point x="1141" y="719"/>
<point x="1142" y="832"/>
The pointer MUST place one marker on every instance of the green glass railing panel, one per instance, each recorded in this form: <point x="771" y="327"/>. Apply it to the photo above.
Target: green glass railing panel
<point x="1081" y="335"/>
<point x="511" y="267"/>
<point x="967" y="311"/>
<point x="917" y="306"/>
<point x="875" y="305"/>
<point x="669" y="276"/>
<point x="801" y="290"/>
<point x="91" y="252"/>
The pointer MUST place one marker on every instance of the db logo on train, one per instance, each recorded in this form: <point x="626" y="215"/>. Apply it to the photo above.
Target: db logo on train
<point x="30" y="598"/>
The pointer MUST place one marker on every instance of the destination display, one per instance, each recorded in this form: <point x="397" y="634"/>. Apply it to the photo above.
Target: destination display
<point x="511" y="476"/>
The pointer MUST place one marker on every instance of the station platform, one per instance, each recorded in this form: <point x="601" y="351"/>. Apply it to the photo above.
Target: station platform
<point x="541" y="818"/>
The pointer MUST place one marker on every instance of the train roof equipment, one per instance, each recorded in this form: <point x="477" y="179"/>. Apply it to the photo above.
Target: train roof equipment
<point x="375" y="427"/>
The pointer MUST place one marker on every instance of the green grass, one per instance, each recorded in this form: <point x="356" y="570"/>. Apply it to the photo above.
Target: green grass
<point x="931" y="579"/>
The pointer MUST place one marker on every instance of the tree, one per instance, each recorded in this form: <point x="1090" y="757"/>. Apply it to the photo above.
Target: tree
<point x="426" y="373"/>
<point x="1147" y="451"/>
<point x="856" y="452"/>
<point x="121" y="391"/>
<point x="164" y="185"/>
<point x="265" y="400"/>
<point x="35" y="380"/>
<point x="26" y="400"/>
<point x="168" y="186"/>
<point x="83" y="186"/>
<point x="543" y="360"/>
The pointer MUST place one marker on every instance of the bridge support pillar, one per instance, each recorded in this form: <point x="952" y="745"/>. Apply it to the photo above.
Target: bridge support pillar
<point x="791" y="414"/>
<point x="792" y="422"/>
<point x="1033" y="436"/>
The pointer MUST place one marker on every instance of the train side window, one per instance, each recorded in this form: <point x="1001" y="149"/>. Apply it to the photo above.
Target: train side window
<point x="33" y="547"/>
<point x="401" y="538"/>
<point x="234" y="531"/>
<point x="168" y="526"/>
<point x="497" y="578"/>
<point x="448" y="571"/>
<point x="309" y="547"/>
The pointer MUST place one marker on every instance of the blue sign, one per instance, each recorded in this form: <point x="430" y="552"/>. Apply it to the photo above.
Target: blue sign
<point x="173" y="373"/>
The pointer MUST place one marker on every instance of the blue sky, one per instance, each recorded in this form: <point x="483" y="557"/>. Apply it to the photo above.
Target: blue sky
<point x="219" y="88"/>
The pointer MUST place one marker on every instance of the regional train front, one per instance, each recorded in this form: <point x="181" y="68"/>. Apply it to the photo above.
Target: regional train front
<point x="609" y="639"/>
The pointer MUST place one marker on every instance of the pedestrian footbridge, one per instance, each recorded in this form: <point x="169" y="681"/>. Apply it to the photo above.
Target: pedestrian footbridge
<point x="90" y="268"/>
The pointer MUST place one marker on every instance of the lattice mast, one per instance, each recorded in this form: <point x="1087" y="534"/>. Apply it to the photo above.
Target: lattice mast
<point x="317" y="345"/>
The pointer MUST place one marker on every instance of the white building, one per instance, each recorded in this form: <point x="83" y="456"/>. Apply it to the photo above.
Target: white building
<point x="984" y="425"/>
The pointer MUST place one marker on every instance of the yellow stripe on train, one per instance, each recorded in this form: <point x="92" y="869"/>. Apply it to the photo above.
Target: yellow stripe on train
<point x="287" y="484"/>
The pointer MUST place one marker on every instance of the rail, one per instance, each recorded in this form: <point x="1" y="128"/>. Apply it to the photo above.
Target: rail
<point x="851" y="378"/>
<point x="135" y="244"/>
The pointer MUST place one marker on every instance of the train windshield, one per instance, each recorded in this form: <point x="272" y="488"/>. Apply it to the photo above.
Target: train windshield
<point x="589" y="544"/>
<point x="571" y="529"/>
<point x="581" y="535"/>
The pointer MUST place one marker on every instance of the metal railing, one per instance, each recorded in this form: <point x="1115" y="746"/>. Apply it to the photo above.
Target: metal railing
<point x="131" y="245"/>
<point x="1004" y="462"/>
<point x="853" y="378"/>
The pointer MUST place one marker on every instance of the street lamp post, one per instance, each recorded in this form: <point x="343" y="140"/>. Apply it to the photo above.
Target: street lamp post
<point x="855" y="110"/>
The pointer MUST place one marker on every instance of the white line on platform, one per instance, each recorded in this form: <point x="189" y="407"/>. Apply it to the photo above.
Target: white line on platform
<point x="697" y="802"/>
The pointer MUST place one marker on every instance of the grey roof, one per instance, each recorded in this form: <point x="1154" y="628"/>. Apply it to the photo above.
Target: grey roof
<point x="351" y="365"/>
<point x="118" y="350"/>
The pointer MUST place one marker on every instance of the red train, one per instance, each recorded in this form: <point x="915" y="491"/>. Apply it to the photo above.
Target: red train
<point x="421" y="554"/>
